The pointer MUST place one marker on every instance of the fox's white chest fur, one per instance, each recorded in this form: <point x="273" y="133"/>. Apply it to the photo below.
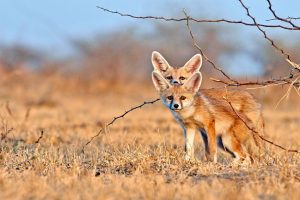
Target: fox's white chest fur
<point x="187" y="112"/>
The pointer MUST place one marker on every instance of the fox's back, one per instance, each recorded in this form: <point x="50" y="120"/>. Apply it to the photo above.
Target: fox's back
<point x="241" y="101"/>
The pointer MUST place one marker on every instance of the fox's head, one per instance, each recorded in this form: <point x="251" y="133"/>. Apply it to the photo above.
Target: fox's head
<point x="177" y="97"/>
<point x="176" y="75"/>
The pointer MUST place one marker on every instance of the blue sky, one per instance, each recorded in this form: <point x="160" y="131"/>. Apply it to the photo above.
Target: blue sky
<point x="48" y="24"/>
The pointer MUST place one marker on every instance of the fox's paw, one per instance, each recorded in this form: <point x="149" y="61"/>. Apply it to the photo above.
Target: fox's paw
<point x="247" y="162"/>
<point x="212" y="158"/>
<point x="187" y="157"/>
<point x="238" y="162"/>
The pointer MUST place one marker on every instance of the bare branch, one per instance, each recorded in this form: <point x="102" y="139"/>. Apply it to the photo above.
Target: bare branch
<point x="115" y="119"/>
<point x="196" y="20"/>
<point x="202" y="52"/>
<point x="280" y="81"/>
<point x="280" y="18"/>
<point x="288" y="18"/>
<point x="264" y="32"/>
<point x="295" y="65"/>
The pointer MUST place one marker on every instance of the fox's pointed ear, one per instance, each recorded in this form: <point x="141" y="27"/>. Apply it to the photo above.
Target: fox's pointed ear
<point x="194" y="64"/>
<point x="159" y="82"/>
<point x="158" y="62"/>
<point x="194" y="82"/>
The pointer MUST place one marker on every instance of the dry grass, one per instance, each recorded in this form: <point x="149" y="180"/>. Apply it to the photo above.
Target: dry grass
<point x="139" y="157"/>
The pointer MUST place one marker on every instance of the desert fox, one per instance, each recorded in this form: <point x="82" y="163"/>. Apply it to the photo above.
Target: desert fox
<point x="197" y="110"/>
<point x="241" y="101"/>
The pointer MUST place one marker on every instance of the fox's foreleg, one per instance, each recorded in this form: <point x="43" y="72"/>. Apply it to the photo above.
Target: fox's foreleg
<point x="189" y="135"/>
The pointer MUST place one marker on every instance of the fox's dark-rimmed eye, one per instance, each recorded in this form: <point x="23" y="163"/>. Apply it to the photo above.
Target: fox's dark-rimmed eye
<point x="182" y="98"/>
<point x="182" y="78"/>
<point x="170" y="98"/>
<point x="169" y="77"/>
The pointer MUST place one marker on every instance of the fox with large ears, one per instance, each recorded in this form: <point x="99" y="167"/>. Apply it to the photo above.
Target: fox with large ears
<point x="196" y="111"/>
<point x="242" y="101"/>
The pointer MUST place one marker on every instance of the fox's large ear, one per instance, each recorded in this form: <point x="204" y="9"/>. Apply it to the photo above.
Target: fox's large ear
<point x="194" y="64"/>
<point x="194" y="82"/>
<point x="158" y="62"/>
<point x="159" y="82"/>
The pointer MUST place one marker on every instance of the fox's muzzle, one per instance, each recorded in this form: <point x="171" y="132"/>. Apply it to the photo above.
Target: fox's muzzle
<point x="175" y="106"/>
<point x="176" y="82"/>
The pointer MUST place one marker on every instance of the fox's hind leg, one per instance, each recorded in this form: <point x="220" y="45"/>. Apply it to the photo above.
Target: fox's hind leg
<point x="223" y="147"/>
<point x="234" y="146"/>
<point x="205" y="139"/>
<point x="211" y="153"/>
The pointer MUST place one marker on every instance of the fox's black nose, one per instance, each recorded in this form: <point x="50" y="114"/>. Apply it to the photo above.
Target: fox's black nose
<point x="176" y="105"/>
<point x="175" y="82"/>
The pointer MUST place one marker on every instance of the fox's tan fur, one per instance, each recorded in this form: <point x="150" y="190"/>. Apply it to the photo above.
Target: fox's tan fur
<point x="210" y="110"/>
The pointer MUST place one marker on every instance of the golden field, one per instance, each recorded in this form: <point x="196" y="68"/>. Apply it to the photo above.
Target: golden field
<point x="139" y="157"/>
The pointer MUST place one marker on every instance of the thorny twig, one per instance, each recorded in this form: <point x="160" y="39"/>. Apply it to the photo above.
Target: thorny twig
<point x="265" y="33"/>
<point x="280" y="18"/>
<point x="115" y="119"/>
<point x="201" y="51"/>
<point x="195" y="20"/>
